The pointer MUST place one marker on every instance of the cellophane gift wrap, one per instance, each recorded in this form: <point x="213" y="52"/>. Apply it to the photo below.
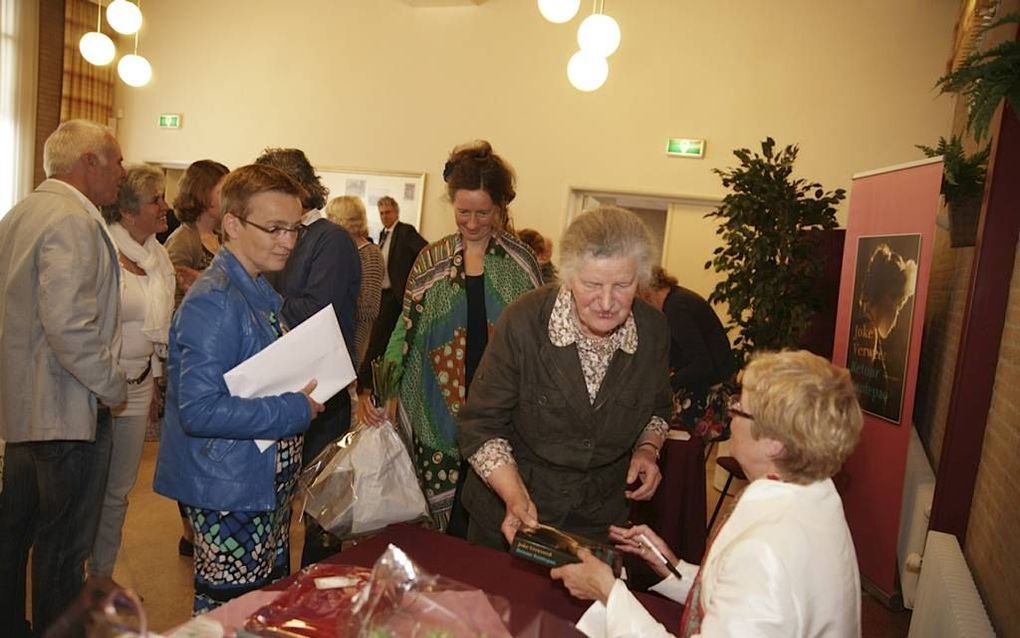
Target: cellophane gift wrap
<point x="395" y="599"/>
<point x="363" y="482"/>
<point x="403" y="600"/>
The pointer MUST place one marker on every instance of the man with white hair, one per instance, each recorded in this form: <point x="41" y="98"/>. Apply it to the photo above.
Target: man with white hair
<point x="59" y="336"/>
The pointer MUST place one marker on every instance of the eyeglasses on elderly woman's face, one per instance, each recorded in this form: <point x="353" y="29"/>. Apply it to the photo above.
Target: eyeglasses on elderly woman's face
<point x="735" y="409"/>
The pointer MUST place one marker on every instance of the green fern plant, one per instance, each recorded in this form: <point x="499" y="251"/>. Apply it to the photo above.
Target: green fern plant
<point x="768" y="255"/>
<point x="986" y="78"/>
<point x="963" y="176"/>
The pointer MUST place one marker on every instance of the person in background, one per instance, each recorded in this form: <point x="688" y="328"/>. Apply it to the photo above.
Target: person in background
<point x="400" y="244"/>
<point x="783" y="564"/>
<point x="457" y="289"/>
<point x="570" y="404"/>
<point x="542" y="248"/>
<point x="192" y="246"/>
<point x="323" y="269"/>
<point x="700" y="361"/>
<point x="147" y="303"/>
<point x="349" y="213"/>
<point x="59" y="339"/>
<point x="236" y="495"/>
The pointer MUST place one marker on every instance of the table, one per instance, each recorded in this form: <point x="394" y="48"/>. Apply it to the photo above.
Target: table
<point x="525" y="584"/>
<point x="677" y="511"/>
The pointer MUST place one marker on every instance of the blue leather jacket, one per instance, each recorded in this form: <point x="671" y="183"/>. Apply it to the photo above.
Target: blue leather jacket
<point x="207" y="457"/>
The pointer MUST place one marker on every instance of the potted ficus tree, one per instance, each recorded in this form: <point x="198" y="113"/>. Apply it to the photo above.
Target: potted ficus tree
<point x="986" y="78"/>
<point x="768" y="257"/>
<point x="963" y="185"/>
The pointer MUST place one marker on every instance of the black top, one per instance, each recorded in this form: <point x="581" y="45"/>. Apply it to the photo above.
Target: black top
<point x="477" y="326"/>
<point x="699" y="350"/>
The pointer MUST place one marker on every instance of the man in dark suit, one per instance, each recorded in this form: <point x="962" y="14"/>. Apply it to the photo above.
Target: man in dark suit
<point x="400" y="244"/>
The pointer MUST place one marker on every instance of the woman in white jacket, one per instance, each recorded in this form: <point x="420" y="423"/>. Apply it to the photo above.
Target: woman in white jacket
<point x="784" y="562"/>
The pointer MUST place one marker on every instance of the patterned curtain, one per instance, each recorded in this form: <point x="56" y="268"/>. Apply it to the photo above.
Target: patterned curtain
<point x="87" y="90"/>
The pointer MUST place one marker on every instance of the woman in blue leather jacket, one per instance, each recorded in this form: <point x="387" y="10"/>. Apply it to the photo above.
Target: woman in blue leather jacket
<point x="236" y="498"/>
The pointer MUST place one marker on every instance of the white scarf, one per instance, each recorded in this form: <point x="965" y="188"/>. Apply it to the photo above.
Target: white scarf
<point x="154" y="260"/>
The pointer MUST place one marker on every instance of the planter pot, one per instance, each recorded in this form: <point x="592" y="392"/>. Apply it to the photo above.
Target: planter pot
<point x="964" y="217"/>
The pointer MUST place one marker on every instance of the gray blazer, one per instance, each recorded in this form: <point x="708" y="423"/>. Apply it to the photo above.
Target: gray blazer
<point x="59" y="319"/>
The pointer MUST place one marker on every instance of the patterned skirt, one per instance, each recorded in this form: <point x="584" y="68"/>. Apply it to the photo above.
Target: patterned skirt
<point x="239" y="552"/>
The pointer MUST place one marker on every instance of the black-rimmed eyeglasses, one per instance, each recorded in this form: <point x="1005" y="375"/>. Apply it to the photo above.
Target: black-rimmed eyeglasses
<point x="279" y="232"/>
<point x="735" y="409"/>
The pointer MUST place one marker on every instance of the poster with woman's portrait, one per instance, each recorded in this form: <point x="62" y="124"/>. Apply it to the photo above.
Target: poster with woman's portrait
<point x="885" y="279"/>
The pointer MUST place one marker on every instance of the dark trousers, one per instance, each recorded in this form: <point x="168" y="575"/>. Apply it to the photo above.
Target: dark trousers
<point x="50" y="503"/>
<point x="329" y="426"/>
<point x="390" y="307"/>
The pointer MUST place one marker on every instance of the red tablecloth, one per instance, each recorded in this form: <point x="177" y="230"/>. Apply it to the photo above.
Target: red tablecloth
<point x="677" y="511"/>
<point x="526" y="585"/>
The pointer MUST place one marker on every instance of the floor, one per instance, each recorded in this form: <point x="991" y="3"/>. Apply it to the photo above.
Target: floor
<point x="149" y="562"/>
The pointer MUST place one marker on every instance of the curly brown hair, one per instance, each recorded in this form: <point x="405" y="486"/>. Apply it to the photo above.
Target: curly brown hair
<point x="294" y="162"/>
<point x="474" y="166"/>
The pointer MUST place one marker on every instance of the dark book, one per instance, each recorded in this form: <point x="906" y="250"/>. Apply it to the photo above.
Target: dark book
<point x="547" y="545"/>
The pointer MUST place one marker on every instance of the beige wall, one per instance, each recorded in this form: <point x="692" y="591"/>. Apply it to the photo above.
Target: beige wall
<point x="378" y="84"/>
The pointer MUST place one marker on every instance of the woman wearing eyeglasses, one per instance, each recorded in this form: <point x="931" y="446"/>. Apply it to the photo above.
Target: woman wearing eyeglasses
<point x="783" y="564"/>
<point x="457" y="289"/>
<point x="236" y="497"/>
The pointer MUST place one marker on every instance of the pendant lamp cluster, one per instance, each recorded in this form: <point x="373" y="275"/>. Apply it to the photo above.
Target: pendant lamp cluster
<point x="124" y="17"/>
<point x="598" y="37"/>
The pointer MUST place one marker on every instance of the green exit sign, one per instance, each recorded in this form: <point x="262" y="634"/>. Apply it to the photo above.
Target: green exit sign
<point x="685" y="147"/>
<point x="170" y="120"/>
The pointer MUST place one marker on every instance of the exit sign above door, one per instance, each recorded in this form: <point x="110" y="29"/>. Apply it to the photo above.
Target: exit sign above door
<point x="685" y="147"/>
<point x="170" y="120"/>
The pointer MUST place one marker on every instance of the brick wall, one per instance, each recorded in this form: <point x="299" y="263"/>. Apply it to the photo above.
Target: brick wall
<point x="993" y="534"/>
<point x="51" y="72"/>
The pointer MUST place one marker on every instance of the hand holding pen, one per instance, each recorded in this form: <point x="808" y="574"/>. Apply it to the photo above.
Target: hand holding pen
<point x="641" y="541"/>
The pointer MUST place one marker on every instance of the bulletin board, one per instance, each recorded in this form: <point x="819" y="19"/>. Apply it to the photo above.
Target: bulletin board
<point x="407" y="188"/>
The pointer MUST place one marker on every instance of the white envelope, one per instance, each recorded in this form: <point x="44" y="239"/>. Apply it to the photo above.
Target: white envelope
<point x="313" y="350"/>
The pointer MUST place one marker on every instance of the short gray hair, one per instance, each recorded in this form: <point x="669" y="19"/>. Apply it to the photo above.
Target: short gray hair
<point x="70" y="141"/>
<point x="604" y="232"/>
<point x="140" y="181"/>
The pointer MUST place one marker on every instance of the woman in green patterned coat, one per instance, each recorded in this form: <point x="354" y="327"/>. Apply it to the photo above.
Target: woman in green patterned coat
<point x="456" y="291"/>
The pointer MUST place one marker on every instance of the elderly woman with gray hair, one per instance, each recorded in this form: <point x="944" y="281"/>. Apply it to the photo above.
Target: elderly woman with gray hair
<point x="147" y="283"/>
<point x="569" y="407"/>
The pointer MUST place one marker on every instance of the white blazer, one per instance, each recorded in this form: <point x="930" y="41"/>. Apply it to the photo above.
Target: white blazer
<point x="783" y="565"/>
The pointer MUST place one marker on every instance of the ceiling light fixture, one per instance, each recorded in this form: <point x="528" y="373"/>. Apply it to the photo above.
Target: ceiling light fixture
<point x="134" y="69"/>
<point x="95" y="46"/>
<point x="587" y="71"/>
<point x="599" y="33"/>
<point x="559" y="11"/>
<point x="124" y="16"/>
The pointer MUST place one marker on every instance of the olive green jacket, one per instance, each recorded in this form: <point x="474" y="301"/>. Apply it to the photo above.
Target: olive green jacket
<point x="572" y="455"/>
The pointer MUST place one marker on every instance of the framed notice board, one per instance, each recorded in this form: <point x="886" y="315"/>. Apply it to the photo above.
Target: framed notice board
<point x="407" y="188"/>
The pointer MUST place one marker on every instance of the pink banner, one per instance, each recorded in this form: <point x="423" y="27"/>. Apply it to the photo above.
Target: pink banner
<point x="882" y="298"/>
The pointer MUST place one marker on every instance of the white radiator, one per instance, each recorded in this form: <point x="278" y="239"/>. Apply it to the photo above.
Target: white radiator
<point x="948" y="604"/>
<point x="918" y="491"/>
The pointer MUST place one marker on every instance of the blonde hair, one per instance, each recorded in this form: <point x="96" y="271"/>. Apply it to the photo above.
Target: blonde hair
<point x="605" y="232"/>
<point x="72" y="140"/>
<point x="349" y="212"/>
<point x="807" y="404"/>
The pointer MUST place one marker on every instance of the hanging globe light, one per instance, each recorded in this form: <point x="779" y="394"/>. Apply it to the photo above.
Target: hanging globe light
<point x="587" y="71"/>
<point x="125" y="17"/>
<point x="97" y="48"/>
<point x="599" y="34"/>
<point x="134" y="70"/>
<point x="559" y="11"/>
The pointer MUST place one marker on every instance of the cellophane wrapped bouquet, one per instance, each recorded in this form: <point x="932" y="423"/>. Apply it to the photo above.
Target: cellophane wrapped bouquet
<point x="396" y="599"/>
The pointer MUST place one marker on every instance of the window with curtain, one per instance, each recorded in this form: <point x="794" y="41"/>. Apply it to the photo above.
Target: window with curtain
<point x="87" y="91"/>
<point x="19" y="36"/>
